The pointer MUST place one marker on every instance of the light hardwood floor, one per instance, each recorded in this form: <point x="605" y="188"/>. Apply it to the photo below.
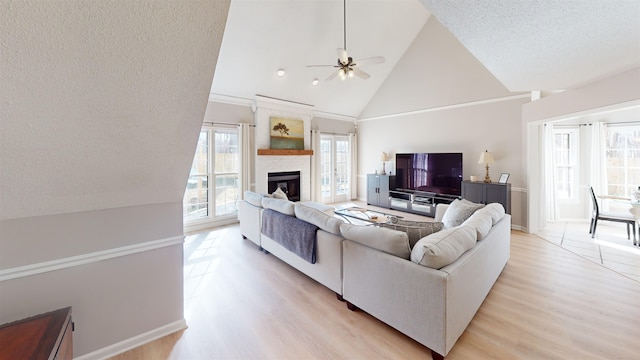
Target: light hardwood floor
<point x="610" y="247"/>
<point x="549" y="303"/>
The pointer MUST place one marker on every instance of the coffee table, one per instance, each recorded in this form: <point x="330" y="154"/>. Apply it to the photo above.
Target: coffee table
<point x="360" y="216"/>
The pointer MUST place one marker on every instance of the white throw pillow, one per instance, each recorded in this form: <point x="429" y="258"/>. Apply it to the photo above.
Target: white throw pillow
<point x="444" y="247"/>
<point x="279" y="194"/>
<point x="459" y="211"/>
<point x="481" y="221"/>
<point x="495" y="210"/>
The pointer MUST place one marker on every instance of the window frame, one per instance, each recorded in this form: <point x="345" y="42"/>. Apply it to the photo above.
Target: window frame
<point x="212" y="218"/>
<point x="573" y="163"/>
<point x="627" y="169"/>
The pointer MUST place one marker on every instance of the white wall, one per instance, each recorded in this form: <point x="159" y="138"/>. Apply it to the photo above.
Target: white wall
<point x="327" y="125"/>
<point x="119" y="269"/>
<point x="220" y="112"/>
<point x="102" y="103"/>
<point x="469" y="130"/>
<point x="621" y="91"/>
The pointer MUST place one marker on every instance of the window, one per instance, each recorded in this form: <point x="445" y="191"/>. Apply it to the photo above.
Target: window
<point x="623" y="159"/>
<point x="196" y="197"/>
<point x="226" y="171"/>
<point x="565" y="150"/>
<point x="213" y="185"/>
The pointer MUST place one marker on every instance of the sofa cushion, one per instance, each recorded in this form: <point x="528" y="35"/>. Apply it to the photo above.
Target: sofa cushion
<point x="481" y="221"/>
<point x="279" y="194"/>
<point x="252" y="198"/>
<point x="390" y="241"/>
<point x="495" y="210"/>
<point x="282" y="206"/>
<point x="415" y="230"/>
<point x="319" y="206"/>
<point x="443" y="247"/>
<point x="316" y="217"/>
<point x="459" y="211"/>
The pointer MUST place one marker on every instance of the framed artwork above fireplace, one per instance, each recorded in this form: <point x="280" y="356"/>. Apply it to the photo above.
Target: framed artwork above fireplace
<point x="286" y="133"/>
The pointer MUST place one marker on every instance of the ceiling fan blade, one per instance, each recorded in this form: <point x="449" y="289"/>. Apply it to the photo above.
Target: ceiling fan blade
<point x="369" y="61"/>
<point x="342" y="56"/>
<point x="359" y="73"/>
<point x="333" y="74"/>
<point x="322" y="66"/>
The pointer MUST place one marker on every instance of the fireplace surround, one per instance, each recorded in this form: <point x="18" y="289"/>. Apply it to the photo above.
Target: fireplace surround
<point x="269" y="161"/>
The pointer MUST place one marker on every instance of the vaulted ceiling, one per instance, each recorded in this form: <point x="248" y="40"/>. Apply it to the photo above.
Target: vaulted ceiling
<point x="526" y="45"/>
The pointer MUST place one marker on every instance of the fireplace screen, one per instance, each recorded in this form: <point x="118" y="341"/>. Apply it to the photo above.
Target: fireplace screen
<point x="287" y="181"/>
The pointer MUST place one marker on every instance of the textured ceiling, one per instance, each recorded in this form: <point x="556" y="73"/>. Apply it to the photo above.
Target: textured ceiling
<point x="546" y="45"/>
<point x="527" y="45"/>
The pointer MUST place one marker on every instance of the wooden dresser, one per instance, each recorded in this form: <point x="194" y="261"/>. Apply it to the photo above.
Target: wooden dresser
<point x="44" y="336"/>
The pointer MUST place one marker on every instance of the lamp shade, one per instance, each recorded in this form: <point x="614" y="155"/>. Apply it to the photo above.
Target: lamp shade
<point x="384" y="157"/>
<point x="486" y="158"/>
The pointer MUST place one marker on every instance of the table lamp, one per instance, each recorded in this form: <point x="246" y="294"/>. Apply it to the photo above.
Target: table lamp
<point x="486" y="158"/>
<point x="384" y="157"/>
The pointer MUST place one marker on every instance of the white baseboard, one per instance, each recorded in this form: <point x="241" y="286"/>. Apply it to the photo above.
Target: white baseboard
<point x="519" y="227"/>
<point x="134" y="342"/>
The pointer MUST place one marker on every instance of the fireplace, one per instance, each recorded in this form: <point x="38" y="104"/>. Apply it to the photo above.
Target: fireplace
<point x="287" y="181"/>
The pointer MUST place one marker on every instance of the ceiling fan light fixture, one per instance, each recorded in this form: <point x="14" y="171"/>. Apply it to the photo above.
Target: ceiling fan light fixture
<point x="280" y="72"/>
<point x="346" y="66"/>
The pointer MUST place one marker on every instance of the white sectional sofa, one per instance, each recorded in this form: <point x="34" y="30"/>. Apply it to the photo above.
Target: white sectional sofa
<point x="430" y="291"/>
<point x="327" y="269"/>
<point x="432" y="306"/>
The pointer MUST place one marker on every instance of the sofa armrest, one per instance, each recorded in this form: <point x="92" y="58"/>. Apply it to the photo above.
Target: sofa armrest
<point x="403" y="294"/>
<point x="440" y="210"/>
<point x="250" y="218"/>
<point x="431" y="306"/>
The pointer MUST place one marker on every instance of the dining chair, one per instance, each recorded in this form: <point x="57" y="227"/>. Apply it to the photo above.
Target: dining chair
<point x="596" y="215"/>
<point x="635" y="211"/>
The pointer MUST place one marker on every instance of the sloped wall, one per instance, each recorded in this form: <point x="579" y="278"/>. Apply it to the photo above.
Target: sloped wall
<point x="102" y="103"/>
<point x="99" y="100"/>
<point x="436" y="70"/>
<point x="451" y="104"/>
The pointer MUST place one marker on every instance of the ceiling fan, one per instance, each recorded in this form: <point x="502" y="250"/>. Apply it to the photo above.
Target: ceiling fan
<point x="347" y="67"/>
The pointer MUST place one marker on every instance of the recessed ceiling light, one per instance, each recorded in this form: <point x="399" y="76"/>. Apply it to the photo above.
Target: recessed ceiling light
<point x="315" y="82"/>
<point x="280" y="72"/>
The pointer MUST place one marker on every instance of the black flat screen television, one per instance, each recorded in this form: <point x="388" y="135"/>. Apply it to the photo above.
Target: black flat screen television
<point x="439" y="173"/>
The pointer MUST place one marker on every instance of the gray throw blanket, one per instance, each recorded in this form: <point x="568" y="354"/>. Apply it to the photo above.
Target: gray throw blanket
<point x="295" y="235"/>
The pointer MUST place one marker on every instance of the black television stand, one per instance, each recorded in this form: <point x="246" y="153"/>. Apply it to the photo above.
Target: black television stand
<point x="418" y="202"/>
